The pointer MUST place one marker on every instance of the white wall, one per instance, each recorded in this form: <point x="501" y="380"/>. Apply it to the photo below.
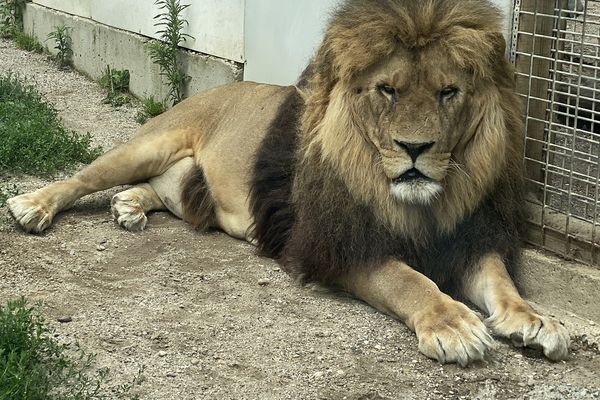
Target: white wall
<point x="216" y="25"/>
<point x="281" y="36"/>
<point x="275" y="38"/>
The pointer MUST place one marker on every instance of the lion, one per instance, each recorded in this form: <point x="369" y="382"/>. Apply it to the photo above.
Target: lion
<point x="392" y="170"/>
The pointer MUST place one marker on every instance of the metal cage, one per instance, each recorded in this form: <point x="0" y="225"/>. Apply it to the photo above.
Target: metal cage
<point x="556" y="51"/>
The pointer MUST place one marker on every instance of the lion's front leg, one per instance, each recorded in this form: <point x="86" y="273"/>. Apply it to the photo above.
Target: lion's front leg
<point x="447" y="330"/>
<point x="492" y="289"/>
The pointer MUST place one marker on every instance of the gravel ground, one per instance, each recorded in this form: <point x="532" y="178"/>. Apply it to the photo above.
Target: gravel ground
<point x="210" y="320"/>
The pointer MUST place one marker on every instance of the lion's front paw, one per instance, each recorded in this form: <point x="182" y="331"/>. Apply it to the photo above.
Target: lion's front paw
<point x="450" y="332"/>
<point x="528" y="329"/>
<point x="128" y="212"/>
<point x="29" y="213"/>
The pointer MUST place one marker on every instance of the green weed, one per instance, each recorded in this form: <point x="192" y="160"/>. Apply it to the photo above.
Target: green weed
<point x="7" y="191"/>
<point x="27" y="42"/>
<point x="165" y="52"/>
<point x="62" y="44"/>
<point x="33" y="139"/>
<point x="116" y="82"/>
<point x="11" y="17"/>
<point x="150" y="108"/>
<point x="34" y="365"/>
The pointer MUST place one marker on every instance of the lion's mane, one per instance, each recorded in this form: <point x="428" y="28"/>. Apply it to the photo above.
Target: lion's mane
<point x="319" y="201"/>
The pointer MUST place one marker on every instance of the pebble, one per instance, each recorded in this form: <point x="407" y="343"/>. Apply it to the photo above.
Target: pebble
<point x="530" y="381"/>
<point x="65" y="319"/>
<point x="162" y="353"/>
<point x="100" y="247"/>
<point x="264" y="282"/>
<point x="195" y="361"/>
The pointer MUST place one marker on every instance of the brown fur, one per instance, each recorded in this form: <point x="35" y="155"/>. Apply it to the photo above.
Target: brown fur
<point x="362" y="34"/>
<point x="197" y="202"/>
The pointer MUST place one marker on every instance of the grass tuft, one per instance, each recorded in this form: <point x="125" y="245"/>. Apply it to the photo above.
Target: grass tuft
<point x="34" y="365"/>
<point x="27" y="42"/>
<point x="33" y="139"/>
<point x="150" y="109"/>
<point x="116" y="83"/>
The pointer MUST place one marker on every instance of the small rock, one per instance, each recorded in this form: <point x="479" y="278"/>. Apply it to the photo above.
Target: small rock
<point x="264" y="282"/>
<point x="162" y="353"/>
<point x="195" y="361"/>
<point x="518" y="356"/>
<point x="530" y="381"/>
<point x="100" y="247"/>
<point x="340" y="373"/>
<point x="65" y="319"/>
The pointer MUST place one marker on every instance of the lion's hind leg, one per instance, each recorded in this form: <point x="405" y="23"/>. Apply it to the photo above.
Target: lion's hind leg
<point x="138" y="160"/>
<point x="163" y="192"/>
<point x="130" y="206"/>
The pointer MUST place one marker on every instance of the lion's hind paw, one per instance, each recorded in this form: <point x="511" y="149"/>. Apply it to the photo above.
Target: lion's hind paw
<point x="128" y="212"/>
<point x="29" y="214"/>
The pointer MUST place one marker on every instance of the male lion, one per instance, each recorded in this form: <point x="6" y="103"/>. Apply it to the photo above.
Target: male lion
<point x="393" y="171"/>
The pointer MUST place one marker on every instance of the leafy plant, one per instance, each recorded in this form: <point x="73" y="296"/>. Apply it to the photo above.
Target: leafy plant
<point x="34" y="365"/>
<point x="7" y="191"/>
<point x="27" y="42"/>
<point x="116" y="82"/>
<point x="62" y="44"/>
<point x="165" y="52"/>
<point x="11" y="17"/>
<point x="150" y="108"/>
<point x="33" y="139"/>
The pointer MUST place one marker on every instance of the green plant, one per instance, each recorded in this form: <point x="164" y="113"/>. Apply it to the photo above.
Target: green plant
<point x="150" y="108"/>
<point x="165" y="52"/>
<point x="11" y="17"/>
<point x="7" y="191"/>
<point x="27" y="42"/>
<point x="34" y="365"/>
<point x="33" y="139"/>
<point x="116" y="82"/>
<point x="62" y="44"/>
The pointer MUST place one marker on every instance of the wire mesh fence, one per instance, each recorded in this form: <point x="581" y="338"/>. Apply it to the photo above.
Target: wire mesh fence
<point x="556" y="51"/>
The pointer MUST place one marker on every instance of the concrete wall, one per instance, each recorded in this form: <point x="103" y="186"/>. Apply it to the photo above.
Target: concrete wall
<point x="95" y="46"/>
<point x="281" y="36"/>
<point x="217" y="26"/>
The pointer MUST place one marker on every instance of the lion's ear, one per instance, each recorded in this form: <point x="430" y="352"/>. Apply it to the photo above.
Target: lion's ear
<point x="320" y="74"/>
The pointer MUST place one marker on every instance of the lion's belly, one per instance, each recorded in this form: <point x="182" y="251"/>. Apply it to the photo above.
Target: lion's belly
<point x="228" y="157"/>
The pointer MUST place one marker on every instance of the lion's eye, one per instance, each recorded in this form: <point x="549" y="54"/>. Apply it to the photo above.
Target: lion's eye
<point x="448" y="92"/>
<point x="387" y="90"/>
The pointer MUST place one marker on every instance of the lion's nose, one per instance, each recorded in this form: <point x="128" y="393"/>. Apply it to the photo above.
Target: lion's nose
<point x="414" y="150"/>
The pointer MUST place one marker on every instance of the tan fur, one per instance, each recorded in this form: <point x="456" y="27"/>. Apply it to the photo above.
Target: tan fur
<point x="492" y="290"/>
<point x="447" y="330"/>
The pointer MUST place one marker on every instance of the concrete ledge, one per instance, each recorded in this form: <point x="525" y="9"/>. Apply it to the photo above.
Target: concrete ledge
<point x="95" y="46"/>
<point x="552" y="281"/>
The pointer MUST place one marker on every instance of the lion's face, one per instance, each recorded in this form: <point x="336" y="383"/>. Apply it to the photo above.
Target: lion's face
<point x="411" y="106"/>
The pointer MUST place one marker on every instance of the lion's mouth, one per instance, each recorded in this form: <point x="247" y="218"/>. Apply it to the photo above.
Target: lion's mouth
<point x="411" y="175"/>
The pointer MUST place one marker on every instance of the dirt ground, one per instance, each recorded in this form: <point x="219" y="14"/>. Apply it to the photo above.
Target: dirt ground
<point x="208" y="319"/>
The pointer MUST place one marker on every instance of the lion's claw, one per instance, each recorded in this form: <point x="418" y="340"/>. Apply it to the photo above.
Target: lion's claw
<point x="32" y="216"/>
<point x="452" y="333"/>
<point x="528" y="329"/>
